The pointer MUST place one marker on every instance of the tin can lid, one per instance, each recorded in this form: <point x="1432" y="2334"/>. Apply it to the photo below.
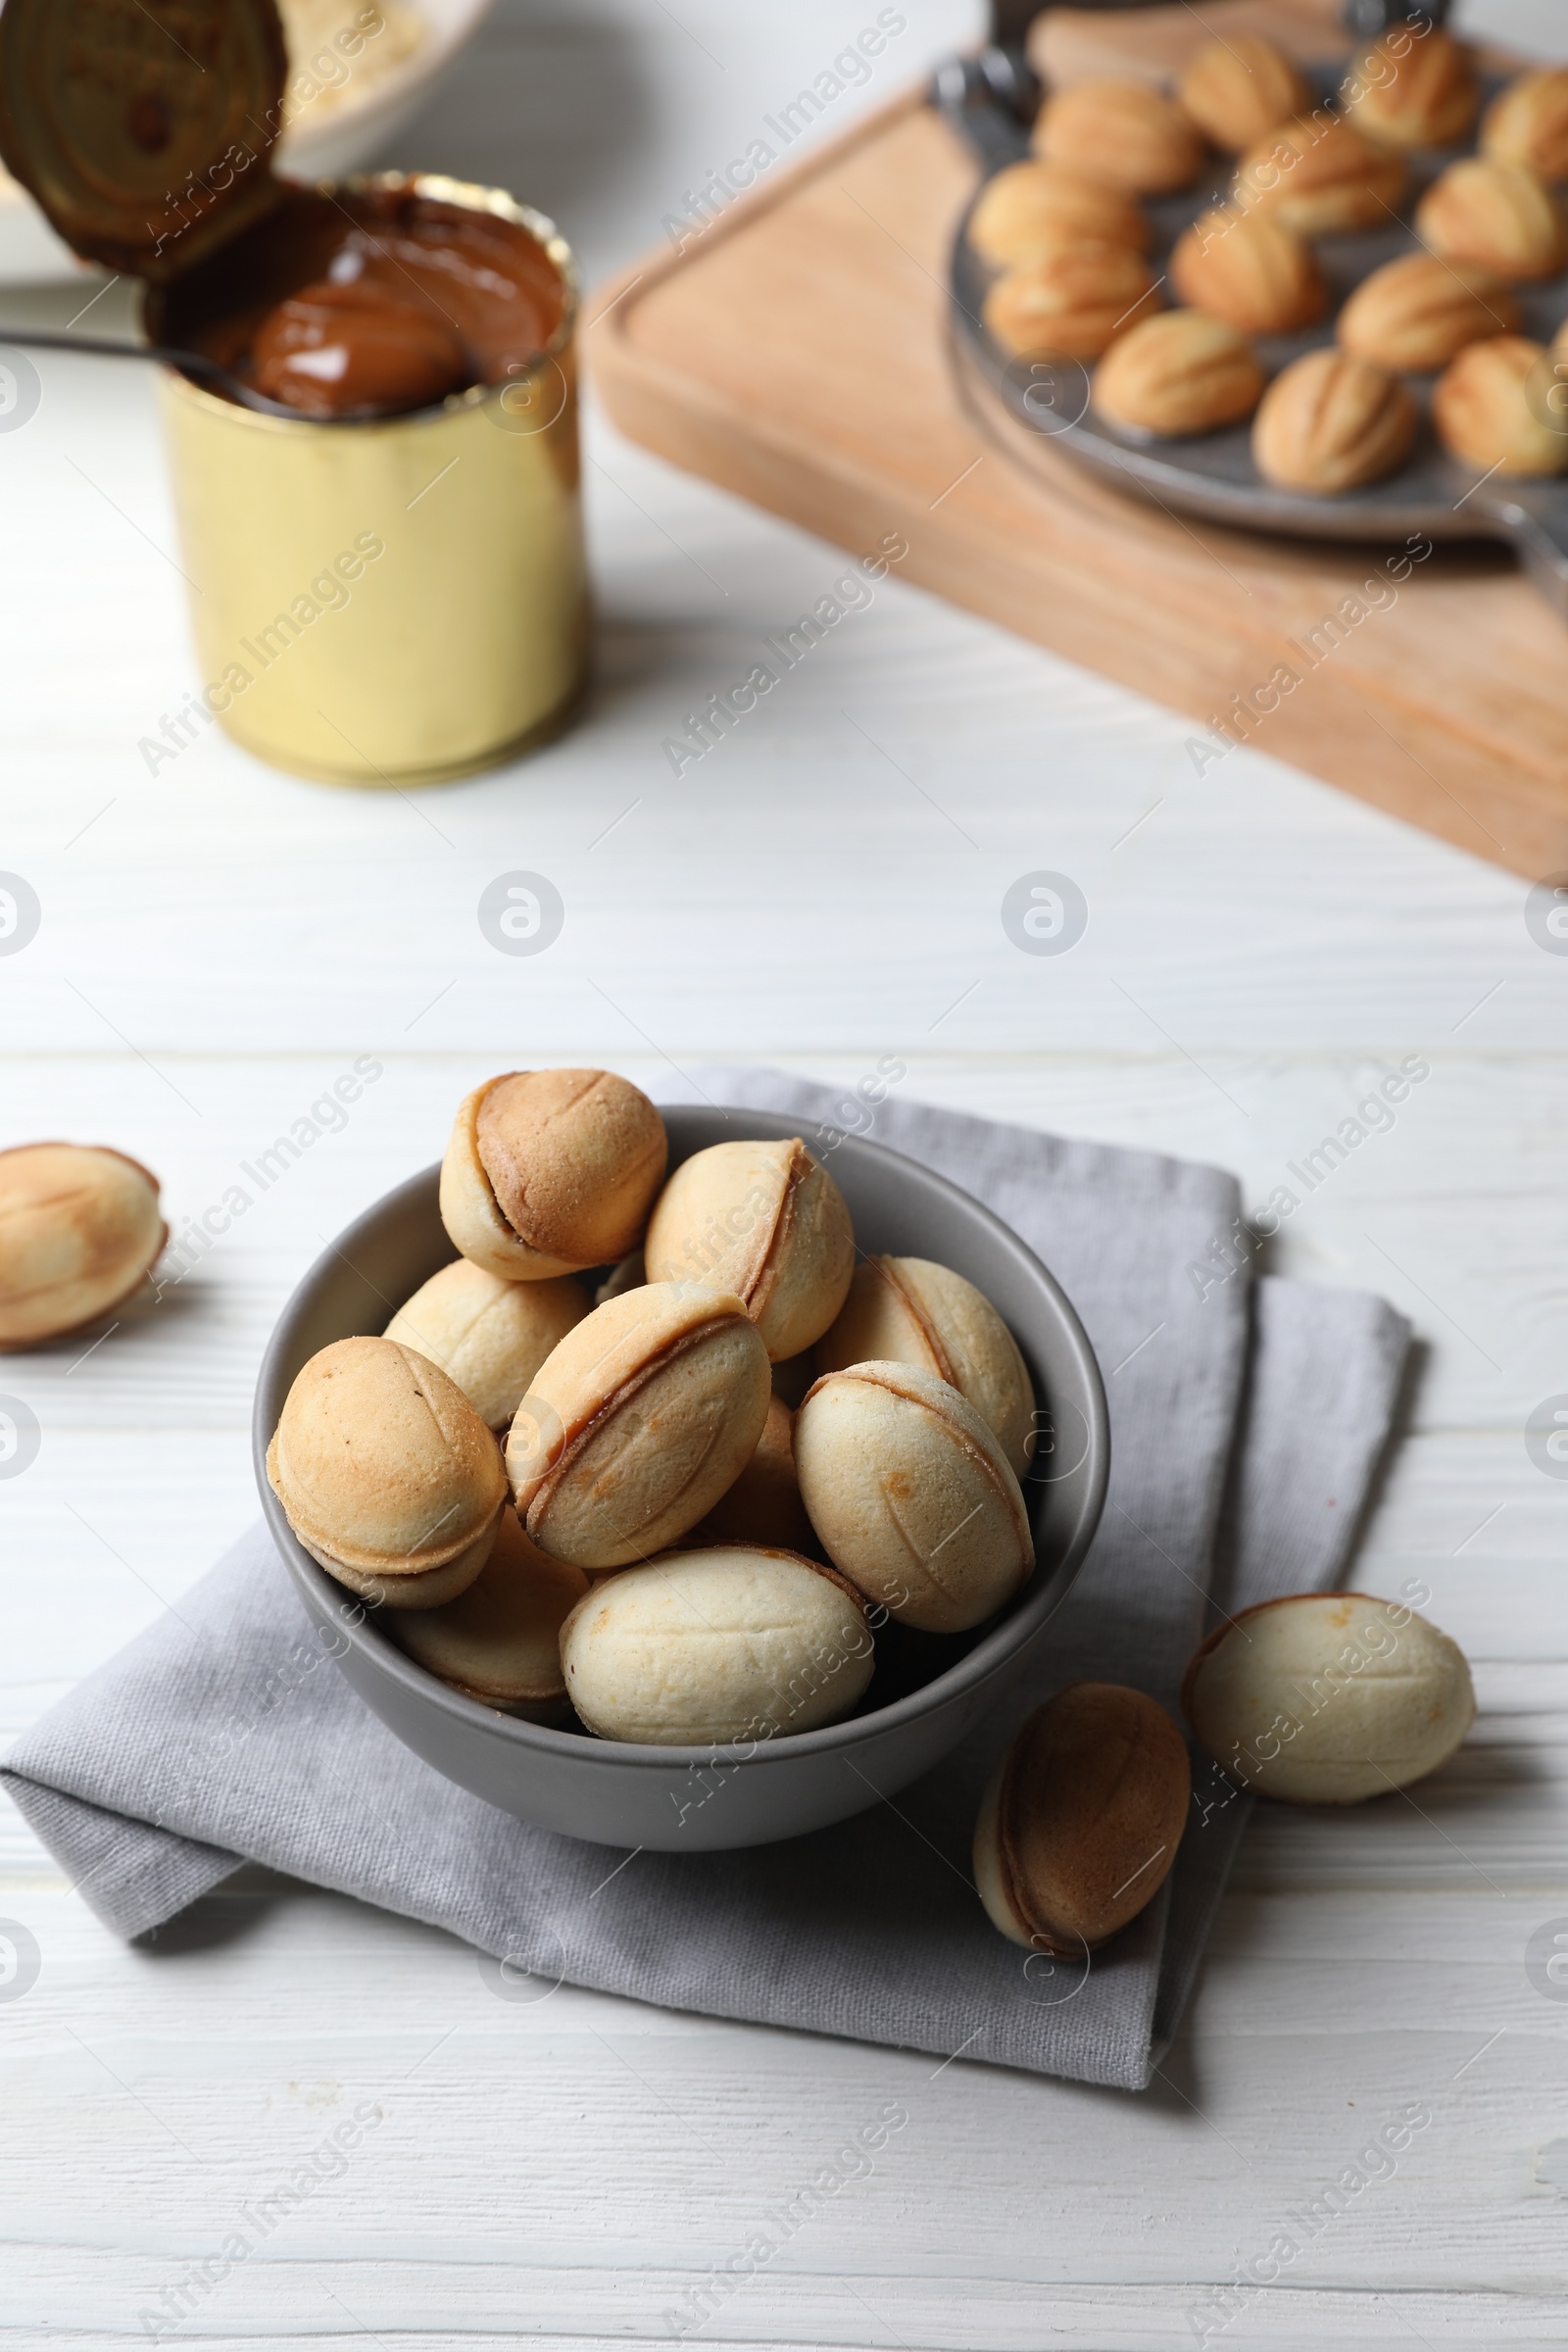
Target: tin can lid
<point x="143" y="127"/>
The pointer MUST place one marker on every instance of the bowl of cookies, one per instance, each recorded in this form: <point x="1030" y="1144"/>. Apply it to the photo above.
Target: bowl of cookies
<point x="666" y="1485"/>
<point x="1325" y="298"/>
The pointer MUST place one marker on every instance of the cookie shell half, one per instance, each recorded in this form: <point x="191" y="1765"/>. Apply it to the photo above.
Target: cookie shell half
<point x="1499" y="215"/>
<point x="1527" y="123"/>
<point x="1125" y="134"/>
<point x="1080" y="1819"/>
<point x="1418" y="313"/>
<point x="1330" y="422"/>
<point x="1408" y="91"/>
<point x="1241" y="87"/>
<point x="1320" y="177"/>
<point x="1034" y="207"/>
<point x="1492" y="408"/>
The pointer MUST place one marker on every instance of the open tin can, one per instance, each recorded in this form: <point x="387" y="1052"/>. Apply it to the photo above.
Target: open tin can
<point x="376" y="598"/>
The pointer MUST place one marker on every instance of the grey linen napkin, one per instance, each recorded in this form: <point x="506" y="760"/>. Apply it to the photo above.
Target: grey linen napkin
<point x="1246" y="1421"/>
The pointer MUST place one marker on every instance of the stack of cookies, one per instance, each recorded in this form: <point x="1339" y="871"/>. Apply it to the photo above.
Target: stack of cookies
<point x="1069" y="234"/>
<point x="655" y="1455"/>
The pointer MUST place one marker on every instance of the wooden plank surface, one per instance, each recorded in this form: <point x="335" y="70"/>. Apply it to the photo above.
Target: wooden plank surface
<point x="796" y="352"/>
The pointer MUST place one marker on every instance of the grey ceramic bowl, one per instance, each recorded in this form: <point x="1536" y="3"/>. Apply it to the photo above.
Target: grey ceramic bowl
<point x="926" y="1693"/>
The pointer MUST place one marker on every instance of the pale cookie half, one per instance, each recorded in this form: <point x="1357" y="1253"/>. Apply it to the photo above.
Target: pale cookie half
<point x="1080" y="1819"/>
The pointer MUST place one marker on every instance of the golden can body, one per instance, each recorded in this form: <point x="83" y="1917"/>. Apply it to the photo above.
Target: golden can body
<point x="397" y="601"/>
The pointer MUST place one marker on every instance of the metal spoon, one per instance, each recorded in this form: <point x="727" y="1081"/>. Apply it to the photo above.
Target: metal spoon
<point x="196" y="362"/>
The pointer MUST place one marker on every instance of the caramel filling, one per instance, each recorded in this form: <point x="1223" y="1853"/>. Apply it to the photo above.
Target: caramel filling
<point x="371" y="302"/>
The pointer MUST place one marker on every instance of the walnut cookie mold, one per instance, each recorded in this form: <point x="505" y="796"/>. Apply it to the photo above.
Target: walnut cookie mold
<point x="1350" y="183"/>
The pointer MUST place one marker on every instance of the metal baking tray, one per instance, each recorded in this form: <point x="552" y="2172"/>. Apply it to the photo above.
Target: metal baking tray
<point x="1032" y="404"/>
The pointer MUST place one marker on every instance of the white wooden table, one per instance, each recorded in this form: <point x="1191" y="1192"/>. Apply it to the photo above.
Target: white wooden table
<point x="219" y="942"/>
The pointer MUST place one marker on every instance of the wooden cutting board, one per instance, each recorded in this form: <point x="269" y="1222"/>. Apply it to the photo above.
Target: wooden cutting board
<point x="796" y="352"/>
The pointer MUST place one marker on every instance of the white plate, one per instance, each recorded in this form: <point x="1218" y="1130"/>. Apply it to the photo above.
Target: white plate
<point x="32" y="255"/>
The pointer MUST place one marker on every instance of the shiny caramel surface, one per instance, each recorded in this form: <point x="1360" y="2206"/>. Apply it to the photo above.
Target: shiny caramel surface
<point x="371" y="301"/>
